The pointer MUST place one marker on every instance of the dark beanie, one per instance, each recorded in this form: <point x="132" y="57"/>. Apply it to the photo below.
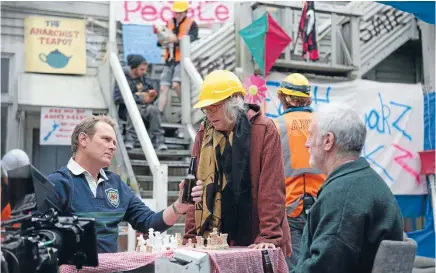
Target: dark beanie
<point x="134" y="60"/>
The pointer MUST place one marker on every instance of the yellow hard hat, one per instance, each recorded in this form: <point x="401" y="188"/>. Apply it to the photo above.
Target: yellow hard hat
<point x="295" y="85"/>
<point x="180" y="6"/>
<point x="218" y="86"/>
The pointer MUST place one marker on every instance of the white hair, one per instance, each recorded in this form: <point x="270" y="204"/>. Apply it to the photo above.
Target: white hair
<point x="345" y="124"/>
<point x="233" y="106"/>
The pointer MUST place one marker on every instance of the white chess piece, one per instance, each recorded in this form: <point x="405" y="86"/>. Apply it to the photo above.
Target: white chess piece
<point x="166" y="241"/>
<point x="141" y="244"/>
<point x="150" y="237"/>
<point x="158" y="241"/>
<point x="173" y="243"/>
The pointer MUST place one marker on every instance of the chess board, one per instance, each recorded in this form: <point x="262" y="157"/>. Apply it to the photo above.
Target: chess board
<point x="158" y="242"/>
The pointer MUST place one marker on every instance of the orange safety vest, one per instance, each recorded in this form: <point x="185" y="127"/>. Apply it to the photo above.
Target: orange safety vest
<point x="300" y="178"/>
<point x="184" y="28"/>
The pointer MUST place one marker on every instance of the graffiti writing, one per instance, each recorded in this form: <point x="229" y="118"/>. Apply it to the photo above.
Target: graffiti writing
<point x="370" y="158"/>
<point x="381" y="120"/>
<point x="316" y="99"/>
<point x="380" y="23"/>
<point x="206" y="65"/>
<point x="401" y="160"/>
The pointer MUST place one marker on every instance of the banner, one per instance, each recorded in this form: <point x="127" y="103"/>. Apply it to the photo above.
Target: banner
<point x="55" y="45"/>
<point x="57" y="124"/>
<point x="159" y="12"/>
<point x="393" y="114"/>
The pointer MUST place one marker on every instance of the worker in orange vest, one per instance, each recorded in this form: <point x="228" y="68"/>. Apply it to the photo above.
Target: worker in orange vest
<point x="11" y="160"/>
<point x="302" y="182"/>
<point x="180" y="25"/>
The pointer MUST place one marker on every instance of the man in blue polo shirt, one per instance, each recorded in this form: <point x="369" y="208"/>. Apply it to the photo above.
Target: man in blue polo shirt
<point x="90" y="191"/>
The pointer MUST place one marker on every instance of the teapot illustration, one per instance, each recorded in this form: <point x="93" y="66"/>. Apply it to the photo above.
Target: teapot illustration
<point x="55" y="59"/>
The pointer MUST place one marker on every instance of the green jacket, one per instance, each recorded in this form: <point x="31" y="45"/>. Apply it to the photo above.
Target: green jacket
<point x="354" y="212"/>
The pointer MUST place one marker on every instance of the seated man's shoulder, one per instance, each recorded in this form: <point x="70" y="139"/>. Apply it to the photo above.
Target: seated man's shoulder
<point x="59" y="175"/>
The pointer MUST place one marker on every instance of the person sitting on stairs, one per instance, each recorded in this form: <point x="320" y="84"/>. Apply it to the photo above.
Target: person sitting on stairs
<point x="144" y="94"/>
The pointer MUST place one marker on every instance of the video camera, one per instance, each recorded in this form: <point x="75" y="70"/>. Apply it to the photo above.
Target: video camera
<point x="38" y="238"/>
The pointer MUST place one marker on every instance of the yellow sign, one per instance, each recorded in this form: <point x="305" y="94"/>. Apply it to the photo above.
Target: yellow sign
<point x="55" y="45"/>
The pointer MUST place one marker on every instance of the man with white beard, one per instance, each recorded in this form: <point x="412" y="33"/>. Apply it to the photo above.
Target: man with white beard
<point x="355" y="209"/>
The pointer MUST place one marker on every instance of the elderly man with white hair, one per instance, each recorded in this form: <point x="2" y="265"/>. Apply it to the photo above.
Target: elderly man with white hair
<point x="355" y="209"/>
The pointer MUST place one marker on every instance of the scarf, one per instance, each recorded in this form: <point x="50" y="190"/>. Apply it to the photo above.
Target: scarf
<point x="224" y="169"/>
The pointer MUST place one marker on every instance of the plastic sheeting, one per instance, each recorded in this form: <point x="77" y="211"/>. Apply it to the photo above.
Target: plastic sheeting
<point x="423" y="10"/>
<point x="420" y="205"/>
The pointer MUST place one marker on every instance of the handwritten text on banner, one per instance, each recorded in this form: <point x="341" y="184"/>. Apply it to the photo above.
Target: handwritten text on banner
<point x="159" y="12"/>
<point x="393" y="114"/>
<point x="57" y="124"/>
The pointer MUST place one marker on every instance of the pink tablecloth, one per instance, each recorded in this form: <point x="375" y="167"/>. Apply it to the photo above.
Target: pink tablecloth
<point x="233" y="260"/>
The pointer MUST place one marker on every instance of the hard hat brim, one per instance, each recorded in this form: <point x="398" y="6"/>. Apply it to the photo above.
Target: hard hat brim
<point x="179" y="10"/>
<point x="207" y="102"/>
<point x="293" y="93"/>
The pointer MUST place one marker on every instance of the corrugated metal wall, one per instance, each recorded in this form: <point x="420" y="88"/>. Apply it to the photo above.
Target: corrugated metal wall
<point x="13" y="14"/>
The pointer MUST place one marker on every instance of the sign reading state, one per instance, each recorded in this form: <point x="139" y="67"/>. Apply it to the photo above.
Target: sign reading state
<point x="55" y="45"/>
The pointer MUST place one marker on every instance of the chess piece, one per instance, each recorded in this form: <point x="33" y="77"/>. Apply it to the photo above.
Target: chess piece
<point x="214" y="240"/>
<point x="173" y="242"/>
<point x="166" y="241"/>
<point x="158" y="241"/>
<point x="179" y="239"/>
<point x="209" y="243"/>
<point x="149" y="249"/>
<point x="190" y="244"/>
<point x="215" y="231"/>
<point x="150" y="236"/>
<point x="141" y="244"/>
<point x="200" y="242"/>
<point x="224" y="240"/>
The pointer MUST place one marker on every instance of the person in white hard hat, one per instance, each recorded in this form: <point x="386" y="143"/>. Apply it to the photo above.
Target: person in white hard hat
<point x="11" y="160"/>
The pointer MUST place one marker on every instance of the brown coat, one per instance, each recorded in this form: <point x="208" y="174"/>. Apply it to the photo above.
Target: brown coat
<point x="269" y="221"/>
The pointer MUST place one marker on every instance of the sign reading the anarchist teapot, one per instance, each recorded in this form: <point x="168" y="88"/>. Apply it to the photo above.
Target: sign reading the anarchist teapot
<point x="55" y="45"/>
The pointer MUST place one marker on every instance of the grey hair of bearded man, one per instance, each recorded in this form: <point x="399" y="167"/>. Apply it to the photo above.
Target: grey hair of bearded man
<point x="345" y="124"/>
<point x="233" y="106"/>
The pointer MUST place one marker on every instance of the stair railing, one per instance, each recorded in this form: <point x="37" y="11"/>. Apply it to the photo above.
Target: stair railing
<point x="189" y="74"/>
<point x="159" y="171"/>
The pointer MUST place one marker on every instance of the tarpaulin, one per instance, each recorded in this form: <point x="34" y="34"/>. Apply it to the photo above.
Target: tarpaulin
<point x="412" y="206"/>
<point x="423" y="10"/>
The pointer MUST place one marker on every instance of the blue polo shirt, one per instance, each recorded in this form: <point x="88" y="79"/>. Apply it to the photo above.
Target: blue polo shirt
<point x="112" y="203"/>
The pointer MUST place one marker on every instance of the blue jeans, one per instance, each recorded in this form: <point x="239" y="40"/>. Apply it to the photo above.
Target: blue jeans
<point x="296" y="226"/>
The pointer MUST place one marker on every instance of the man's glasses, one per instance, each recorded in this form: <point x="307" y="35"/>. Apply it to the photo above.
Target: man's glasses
<point x="212" y="109"/>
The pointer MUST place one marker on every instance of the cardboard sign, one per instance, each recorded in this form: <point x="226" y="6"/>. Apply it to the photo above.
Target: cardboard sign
<point x="55" y="45"/>
<point x="57" y="124"/>
<point x="159" y="12"/>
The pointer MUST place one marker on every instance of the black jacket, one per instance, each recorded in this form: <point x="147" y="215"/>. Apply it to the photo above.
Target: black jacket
<point x="141" y="84"/>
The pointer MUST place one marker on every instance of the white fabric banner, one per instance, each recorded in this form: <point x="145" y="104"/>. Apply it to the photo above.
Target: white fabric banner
<point x="159" y="12"/>
<point x="393" y="114"/>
